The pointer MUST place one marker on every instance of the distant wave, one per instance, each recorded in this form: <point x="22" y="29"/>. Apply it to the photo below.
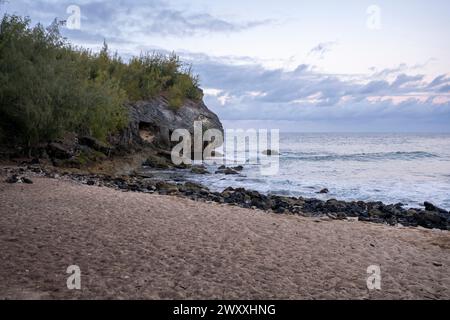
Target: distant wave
<point x="378" y="156"/>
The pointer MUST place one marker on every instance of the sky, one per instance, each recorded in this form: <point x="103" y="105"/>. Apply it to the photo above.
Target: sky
<point x="294" y="65"/>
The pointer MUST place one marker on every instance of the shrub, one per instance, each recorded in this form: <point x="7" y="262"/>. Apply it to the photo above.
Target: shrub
<point x="48" y="87"/>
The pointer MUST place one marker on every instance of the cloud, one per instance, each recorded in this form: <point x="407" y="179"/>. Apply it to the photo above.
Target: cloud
<point x="173" y="22"/>
<point x="439" y="80"/>
<point x="404" y="79"/>
<point x="305" y="95"/>
<point x="401" y="68"/>
<point x="321" y="49"/>
<point x="127" y="20"/>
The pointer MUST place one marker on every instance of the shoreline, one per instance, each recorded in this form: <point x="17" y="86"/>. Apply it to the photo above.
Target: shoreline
<point x="375" y="212"/>
<point x="132" y="245"/>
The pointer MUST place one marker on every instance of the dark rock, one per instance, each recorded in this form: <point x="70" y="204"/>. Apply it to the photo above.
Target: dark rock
<point x="280" y="210"/>
<point x="166" y="187"/>
<point x="157" y="162"/>
<point x="270" y="153"/>
<point x="193" y="187"/>
<point x="59" y="151"/>
<point x="27" y="180"/>
<point x="216" y="154"/>
<point x="31" y="162"/>
<point x="341" y="215"/>
<point x="238" y="168"/>
<point x="153" y="121"/>
<point x="227" y="171"/>
<point x="95" y="144"/>
<point x="324" y="191"/>
<point x="377" y="213"/>
<point x="17" y="179"/>
<point x="90" y="182"/>
<point x="431" y="207"/>
<point x="13" y="179"/>
<point x="199" y="170"/>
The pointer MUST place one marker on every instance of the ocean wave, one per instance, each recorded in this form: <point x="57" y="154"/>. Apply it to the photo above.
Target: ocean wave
<point x="378" y="156"/>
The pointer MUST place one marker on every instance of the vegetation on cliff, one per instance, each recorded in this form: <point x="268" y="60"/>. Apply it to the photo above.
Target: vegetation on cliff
<point x="49" y="87"/>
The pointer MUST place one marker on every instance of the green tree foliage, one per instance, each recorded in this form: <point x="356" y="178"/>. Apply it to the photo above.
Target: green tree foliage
<point x="48" y="87"/>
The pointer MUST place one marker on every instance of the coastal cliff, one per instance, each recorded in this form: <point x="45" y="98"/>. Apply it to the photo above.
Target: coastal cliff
<point x="147" y="136"/>
<point x="151" y="122"/>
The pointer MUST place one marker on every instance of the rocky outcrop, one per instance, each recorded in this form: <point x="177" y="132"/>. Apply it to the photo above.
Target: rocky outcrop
<point x="147" y="136"/>
<point x="152" y="122"/>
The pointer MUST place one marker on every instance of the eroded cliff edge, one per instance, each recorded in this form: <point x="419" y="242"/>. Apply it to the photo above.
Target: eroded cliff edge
<point x="145" y="138"/>
<point x="153" y="121"/>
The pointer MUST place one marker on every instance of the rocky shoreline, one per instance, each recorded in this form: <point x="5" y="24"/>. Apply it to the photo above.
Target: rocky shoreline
<point x="376" y="212"/>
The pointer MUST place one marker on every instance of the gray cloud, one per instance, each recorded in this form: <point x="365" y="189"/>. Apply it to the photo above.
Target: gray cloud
<point x="121" y="20"/>
<point x="439" y="80"/>
<point x="403" y="79"/>
<point x="251" y="92"/>
<point x="321" y="49"/>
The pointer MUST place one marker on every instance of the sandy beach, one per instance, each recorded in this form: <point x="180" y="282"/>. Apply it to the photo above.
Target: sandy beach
<point x="141" y="246"/>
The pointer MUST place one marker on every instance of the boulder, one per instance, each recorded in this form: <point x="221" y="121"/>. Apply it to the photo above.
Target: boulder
<point x="199" y="170"/>
<point x="431" y="207"/>
<point x="153" y="122"/>
<point x="192" y="186"/>
<point x="166" y="187"/>
<point x="27" y="180"/>
<point x="17" y="179"/>
<point x="13" y="179"/>
<point x="157" y="162"/>
<point x="95" y="144"/>
<point x="59" y="151"/>
<point x="227" y="171"/>
<point x="270" y="153"/>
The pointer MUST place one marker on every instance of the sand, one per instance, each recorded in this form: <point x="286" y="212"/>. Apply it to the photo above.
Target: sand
<point x="142" y="246"/>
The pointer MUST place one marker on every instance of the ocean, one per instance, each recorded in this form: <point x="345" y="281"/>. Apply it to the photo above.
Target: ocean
<point x="392" y="168"/>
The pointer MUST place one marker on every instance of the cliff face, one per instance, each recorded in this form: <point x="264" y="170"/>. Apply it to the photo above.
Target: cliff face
<point x="145" y="139"/>
<point x="153" y="121"/>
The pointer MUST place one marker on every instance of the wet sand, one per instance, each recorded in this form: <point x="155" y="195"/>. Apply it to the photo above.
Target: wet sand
<point x="142" y="246"/>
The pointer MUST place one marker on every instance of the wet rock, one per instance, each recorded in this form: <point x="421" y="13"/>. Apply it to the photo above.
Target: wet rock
<point x="238" y="168"/>
<point x="431" y="207"/>
<point x="431" y="220"/>
<point x="376" y="213"/>
<point x="324" y="191"/>
<point x="199" y="170"/>
<point x="157" y="162"/>
<point x="216" y="154"/>
<point x="166" y="187"/>
<point x="193" y="187"/>
<point x="270" y="152"/>
<point x="227" y="171"/>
